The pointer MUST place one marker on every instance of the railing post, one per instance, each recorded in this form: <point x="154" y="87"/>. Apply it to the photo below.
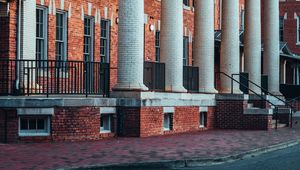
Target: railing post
<point x="291" y="119"/>
<point x="231" y="85"/>
<point x="276" y="117"/>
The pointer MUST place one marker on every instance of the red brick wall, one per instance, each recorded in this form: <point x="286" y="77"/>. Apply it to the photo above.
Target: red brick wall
<point x="148" y="121"/>
<point x="67" y="124"/>
<point x="290" y="24"/>
<point x="229" y="115"/>
<point x="12" y="125"/>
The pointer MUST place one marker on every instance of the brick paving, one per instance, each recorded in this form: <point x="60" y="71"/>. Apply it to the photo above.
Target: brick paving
<point x="207" y="144"/>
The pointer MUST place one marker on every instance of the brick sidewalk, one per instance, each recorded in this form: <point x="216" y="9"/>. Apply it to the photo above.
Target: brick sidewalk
<point x="209" y="144"/>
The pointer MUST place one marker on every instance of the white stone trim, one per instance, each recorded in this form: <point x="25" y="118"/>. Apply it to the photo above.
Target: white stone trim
<point x="168" y="109"/>
<point x="108" y="110"/>
<point x="70" y="10"/>
<point x="105" y="12"/>
<point x="203" y="109"/>
<point x="35" y="111"/>
<point x="90" y="6"/>
<point x="62" y="4"/>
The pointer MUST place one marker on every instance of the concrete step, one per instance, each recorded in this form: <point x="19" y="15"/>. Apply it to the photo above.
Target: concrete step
<point x="250" y="105"/>
<point x="258" y="111"/>
<point x="279" y="125"/>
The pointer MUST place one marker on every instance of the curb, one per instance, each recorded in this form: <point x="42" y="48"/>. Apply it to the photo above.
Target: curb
<point x="189" y="162"/>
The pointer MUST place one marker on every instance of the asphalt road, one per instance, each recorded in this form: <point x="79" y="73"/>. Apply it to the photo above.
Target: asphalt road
<point x="286" y="159"/>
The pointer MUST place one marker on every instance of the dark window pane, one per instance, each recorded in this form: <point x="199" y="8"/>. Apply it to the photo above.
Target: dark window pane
<point x="24" y="124"/>
<point x="32" y="124"/>
<point x="41" y="124"/>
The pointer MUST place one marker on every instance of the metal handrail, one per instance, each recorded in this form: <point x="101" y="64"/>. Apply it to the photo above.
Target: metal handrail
<point x="263" y="89"/>
<point x="261" y="96"/>
<point x="294" y="99"/>
<point x="285" y="102"/>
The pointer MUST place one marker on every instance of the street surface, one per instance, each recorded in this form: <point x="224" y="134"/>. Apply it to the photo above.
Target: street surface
<point x="286" y="159"/>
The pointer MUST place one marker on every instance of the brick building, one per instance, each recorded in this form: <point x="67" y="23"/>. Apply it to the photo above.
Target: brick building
<point x="86" y="70"/>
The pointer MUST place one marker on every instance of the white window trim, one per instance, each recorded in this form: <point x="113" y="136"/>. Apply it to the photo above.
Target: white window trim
<point x="45" y="29"/>
<point x="298" y="22"/>
<point x="169" y="121"/>
<point x="202" y="119"/>
<point x="29" y="133"/>
<point x="102" y="131"/>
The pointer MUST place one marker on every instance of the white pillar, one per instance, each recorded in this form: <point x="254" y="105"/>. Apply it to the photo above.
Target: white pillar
<point x="283" y="72"/>
<point x="230" y="45"/>
<point x="271" y="44"/>
<point x="131" y="46"/>
<point x="172" y="43"/>
<point x="252" y="47"/>
<point x="204" y="44"/>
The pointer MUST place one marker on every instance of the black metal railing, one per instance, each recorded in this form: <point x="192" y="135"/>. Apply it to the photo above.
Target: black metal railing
<point x="154" y="76"/>
<point x="191" y="78"/>
<point x="52" y="77"/>
<point x="292" y="110"/>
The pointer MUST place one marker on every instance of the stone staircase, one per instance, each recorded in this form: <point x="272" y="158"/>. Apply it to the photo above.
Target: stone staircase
<point x="268" y="109"/>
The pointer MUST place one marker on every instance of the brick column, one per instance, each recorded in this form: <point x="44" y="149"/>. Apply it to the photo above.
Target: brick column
<point x="131" y="46"/>
<point x="253" y="42"/>
<point x="172" y="43"/>
<point x="230" y="45"/>
<point x="204" y="44"/>
<point x="271" y="44"/>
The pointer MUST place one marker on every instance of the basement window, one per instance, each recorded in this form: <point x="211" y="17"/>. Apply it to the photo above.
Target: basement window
<point x="203" y="119"/>
<point x="105" y="123"/>
<point x="34" y="125"/>
<point x="168" y="121"/>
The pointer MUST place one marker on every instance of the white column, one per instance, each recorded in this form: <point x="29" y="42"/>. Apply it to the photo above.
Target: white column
<point x="131" y="46"/>
<point x="252" y="47"/>
<point x="230" y="45"/>
<point x="28" y="43"/>
<point x="204" y="44"/>
<point x="283" y="72"/>
<point x="271" y="44"/>
<point x="172" y="43"/>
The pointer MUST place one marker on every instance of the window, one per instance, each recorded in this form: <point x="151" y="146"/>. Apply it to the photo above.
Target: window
<point x="61" y="38"/>
<point x="298" y="30"/>
<point x="185" y="51"/>
<point x="157" y="46"/>
<point x="105" y="123"/>
<point x="281" y="28"/>
<point x="186" y="2"/>
<point x="88" y="39"/>
<point x="242" y="19"/>
<point x="193" y="53"/>
<point x="105" y="41"/>
<point x="34" y="126"/>
<point x="41" y="36"/>
<point x="203" y="119"/>
<point x="168" y="121"/>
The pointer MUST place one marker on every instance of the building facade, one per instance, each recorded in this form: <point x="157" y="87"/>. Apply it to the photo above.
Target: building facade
<point x="86" y="70"/>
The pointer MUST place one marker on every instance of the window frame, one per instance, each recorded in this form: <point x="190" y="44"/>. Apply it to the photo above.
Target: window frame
<point x="185" y="59"/>
<point x="203" y="120"/>
<point x="281" y="28"/>
<point x="44" y="39"/>
<point x="102" y="128"/>
<point x="168" y="126"/>
<point x="298" y="30"/>
<point x="157" y="46"/>
<point x="92" y="39"/>
<point x="64" y="38"/>
<point x="106" y="56"/>
<point x="30" y="132"/>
